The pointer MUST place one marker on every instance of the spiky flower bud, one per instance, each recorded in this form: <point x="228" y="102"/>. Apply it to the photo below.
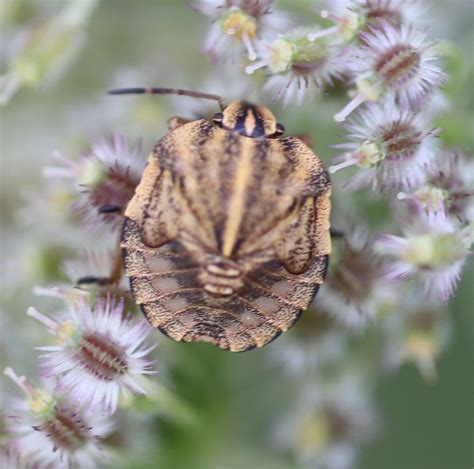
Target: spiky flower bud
<point x="46" y="430"/>
<point x="298" y="65"/>
<point x="397" y="62"/>
<point x="106" y="176"/>
<point x="432" y="251"/>
<point x="99" y="353"/>
<point x="237" y="24"/>
<point x="389" y="146"/>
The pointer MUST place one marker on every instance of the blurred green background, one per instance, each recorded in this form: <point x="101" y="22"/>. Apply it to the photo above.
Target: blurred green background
<point x="145" y="42"/>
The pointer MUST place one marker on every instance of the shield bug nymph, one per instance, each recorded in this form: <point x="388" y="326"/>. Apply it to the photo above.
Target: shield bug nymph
<point x="226" y="239"/>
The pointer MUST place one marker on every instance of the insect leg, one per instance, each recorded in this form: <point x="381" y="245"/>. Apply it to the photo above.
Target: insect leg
<point x="110" y="209"/>
<point x="115" y="274"/>
<point x="335" y="233"/>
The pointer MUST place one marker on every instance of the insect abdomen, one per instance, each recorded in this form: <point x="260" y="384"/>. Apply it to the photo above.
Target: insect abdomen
<point x="168" y="285"/>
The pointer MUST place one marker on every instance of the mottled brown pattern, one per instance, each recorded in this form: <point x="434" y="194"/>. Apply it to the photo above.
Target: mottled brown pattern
<point x="227" y="237"/>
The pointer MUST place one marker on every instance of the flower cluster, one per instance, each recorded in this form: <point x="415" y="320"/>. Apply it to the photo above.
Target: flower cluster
<point x="380" y="52"/>
<point x="372" y="44"/>
<point x="237" y="25"/>
<point x="98" y="359"/>
<point x="393" y="267"/>
<point x="106" y="177"/>
<point x="394" y="149"/>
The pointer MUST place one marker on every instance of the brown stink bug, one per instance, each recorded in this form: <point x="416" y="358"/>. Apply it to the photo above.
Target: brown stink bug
<point x="226" y="239"/>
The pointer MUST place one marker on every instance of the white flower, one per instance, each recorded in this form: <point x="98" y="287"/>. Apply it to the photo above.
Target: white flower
<point x="432" y="251"/>
<point x="389" y="146"/>
<point x="106" y="177"/>
<point x="298" y="66"/>
<point x="238" y="24"/>
<point x="396" y="64"/>
<point x="99" y="354"/>
<point x="44" y="430"/>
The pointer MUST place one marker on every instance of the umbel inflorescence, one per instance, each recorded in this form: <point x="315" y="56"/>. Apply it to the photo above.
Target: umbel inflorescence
<point x="394" y="281"/>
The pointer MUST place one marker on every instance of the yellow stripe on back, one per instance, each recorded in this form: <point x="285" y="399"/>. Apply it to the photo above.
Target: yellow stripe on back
<point x="237" y="200"/>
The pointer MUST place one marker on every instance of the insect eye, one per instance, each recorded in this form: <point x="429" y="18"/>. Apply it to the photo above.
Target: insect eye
<point x="218" y="117"/>
<point x="279" y="129"/>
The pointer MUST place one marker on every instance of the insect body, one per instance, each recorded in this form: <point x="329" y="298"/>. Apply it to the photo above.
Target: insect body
<point x="227" y="237"/>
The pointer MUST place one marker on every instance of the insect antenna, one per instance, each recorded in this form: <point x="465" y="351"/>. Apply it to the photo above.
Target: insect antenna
<point x="193" y="94"/>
